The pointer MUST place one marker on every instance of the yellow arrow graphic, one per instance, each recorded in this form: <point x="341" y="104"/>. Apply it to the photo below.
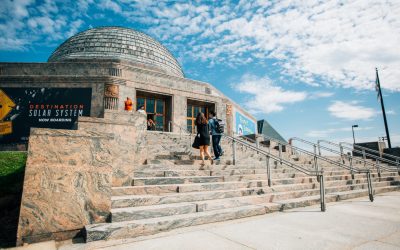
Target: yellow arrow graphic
<point x="6" y="105"/>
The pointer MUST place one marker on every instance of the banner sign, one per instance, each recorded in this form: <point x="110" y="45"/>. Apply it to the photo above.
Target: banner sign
<point x="23" y="108"/>
<point x="244" y="125"/>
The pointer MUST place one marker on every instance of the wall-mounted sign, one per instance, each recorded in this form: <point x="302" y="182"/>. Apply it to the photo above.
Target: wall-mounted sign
<point x="244" y="125"/>
<point x="43" y="108"/>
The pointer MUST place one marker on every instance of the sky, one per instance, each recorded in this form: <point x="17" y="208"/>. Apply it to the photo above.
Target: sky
<point x="307" y="67"/>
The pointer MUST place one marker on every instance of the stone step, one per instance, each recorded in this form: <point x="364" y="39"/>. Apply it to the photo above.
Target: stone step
<point x="135" y="228"/>
<point x="178" y="173"/>
<point x="197" y="187"/>
<point x="147" y="200"/>
<point x="145" y="212"/>
<point x="275" y="191"/>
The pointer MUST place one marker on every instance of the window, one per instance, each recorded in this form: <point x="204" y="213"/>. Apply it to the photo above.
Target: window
<point x="192" y="112"/>
<point x="155" y="109"/>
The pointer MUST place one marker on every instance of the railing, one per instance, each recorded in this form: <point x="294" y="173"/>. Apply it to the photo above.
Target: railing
<point x="181" y="130"/>
<point x="396" y="158"/>
<point x="317" y="157"/>
<point x="350" y="157"/>
<point x="364" y="157"/>
<point x="268" y="155"/>
<point x="317" y="173"/>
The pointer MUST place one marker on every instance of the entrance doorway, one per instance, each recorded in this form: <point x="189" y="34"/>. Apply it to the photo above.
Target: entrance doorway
<point x="193" y="108"/>
<point x="157" y="108"/>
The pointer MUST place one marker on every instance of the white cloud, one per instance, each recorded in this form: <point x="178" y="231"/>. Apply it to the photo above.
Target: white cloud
<point x="318" y="42"/>
<point x="265" y="97"/>
<point x="320" y="94"/>
<point x="351" y="111"/>
<point x="327" y="132"/>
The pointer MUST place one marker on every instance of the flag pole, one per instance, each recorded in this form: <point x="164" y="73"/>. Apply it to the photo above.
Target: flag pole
<point x="383" y="108"/>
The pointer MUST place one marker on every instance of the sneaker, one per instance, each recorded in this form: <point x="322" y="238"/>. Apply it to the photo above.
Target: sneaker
<point x="222" y="153"/>
<point x="216" y="158"/>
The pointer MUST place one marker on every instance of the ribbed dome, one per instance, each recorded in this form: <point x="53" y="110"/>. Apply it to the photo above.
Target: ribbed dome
<point x="118" y="43"/>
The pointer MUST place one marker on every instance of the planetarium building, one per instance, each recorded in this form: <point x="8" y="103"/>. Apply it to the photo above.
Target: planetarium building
<point x="96" y="70"/>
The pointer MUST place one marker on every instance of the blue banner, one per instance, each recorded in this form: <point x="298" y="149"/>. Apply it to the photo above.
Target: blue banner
<point x="244" y="125"/>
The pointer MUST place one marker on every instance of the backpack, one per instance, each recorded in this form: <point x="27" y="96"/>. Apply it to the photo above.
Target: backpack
<point x="219" y="126"/>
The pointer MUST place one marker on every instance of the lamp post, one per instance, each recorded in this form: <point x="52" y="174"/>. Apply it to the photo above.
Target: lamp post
<point x="352" y="129"/>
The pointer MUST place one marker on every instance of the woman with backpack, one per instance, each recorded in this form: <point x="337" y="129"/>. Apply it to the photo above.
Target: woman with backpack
<point x="203" y="136"/>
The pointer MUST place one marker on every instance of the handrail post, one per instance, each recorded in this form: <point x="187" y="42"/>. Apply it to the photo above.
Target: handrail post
<point x="378" y="168"/>
<point x="280" y="152"/>
<point x="234" y="151"/>
<point x="319" y="148"/>
<point x="316" y="167"/>
<point x="341" y="152"/>
<point x="169" y="126"/>
<point x="364" y="157"/>
<point x="315" y="149"/>
<point x="269" y="171"/>
<point x="370" y="191"/>
<point x="351" y="167"/>
<point x="322" y="191"/>
<point x="398" y="168"/>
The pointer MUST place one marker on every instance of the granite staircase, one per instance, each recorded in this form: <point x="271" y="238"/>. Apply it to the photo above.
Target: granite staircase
<point x="172" y="190"/>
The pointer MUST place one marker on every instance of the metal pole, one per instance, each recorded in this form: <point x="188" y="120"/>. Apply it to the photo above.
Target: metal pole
<point x="351" y="167"/>
<point x="322" y="192"/>
<point x="370" y="191"/>
<point x="316" y="167"/>
<point x="378" y="84"/>
<point x="354" y="139"/>
<point x="319" y="148"/>
<point x="378" y="168"/>
<point x="234" y="152"/>
<point x="280" y="152"/>
<point x="364" y="157"/>
<point x="169" y="126"/>
<point x="269" y="172"/>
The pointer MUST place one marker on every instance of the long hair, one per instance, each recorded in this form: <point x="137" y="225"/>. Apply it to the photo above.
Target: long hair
<point x="201" y="119"/>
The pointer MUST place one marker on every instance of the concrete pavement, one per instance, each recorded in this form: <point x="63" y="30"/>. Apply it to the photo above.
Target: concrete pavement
<point x="350" y="224"/>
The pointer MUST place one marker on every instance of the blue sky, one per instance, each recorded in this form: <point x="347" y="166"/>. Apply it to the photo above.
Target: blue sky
<point x="308" y="67"/>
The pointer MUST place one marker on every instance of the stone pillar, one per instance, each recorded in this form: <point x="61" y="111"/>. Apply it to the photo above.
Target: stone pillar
<point x="179" y="112"/>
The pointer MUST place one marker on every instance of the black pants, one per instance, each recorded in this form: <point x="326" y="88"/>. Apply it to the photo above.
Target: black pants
<point x="216" y="147"/>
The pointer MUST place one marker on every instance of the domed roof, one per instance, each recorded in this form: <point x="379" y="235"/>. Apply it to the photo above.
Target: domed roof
<point x="118" y="43"/>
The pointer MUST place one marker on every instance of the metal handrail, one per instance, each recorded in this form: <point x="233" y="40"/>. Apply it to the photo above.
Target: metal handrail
<point x="372" y="150"/>
<point x="318" y="173"/>
<point x="342" y="165"/>
<point x="377" y="158"/>
<point x="350" y="158"/>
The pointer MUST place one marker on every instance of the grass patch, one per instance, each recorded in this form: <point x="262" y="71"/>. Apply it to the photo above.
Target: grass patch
<point x="12" y="169"/>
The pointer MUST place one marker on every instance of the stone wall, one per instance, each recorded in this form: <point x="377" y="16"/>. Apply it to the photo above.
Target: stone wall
<point x="69" y="174"/>
<point x="67" y="184"/>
